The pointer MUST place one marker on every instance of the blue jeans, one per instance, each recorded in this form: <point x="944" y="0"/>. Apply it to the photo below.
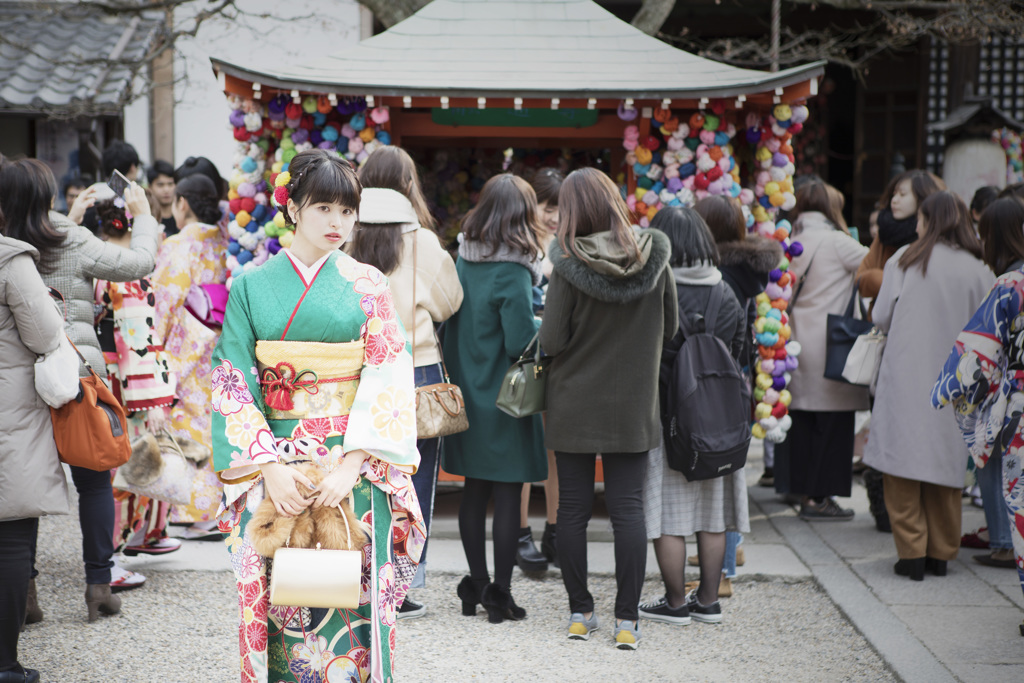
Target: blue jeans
<point x="997" y="514"/>
<point x="425" y="479"/>
<point x="732" y="541"/>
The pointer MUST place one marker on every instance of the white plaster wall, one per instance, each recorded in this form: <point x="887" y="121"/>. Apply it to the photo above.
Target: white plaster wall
<point x="138" y="125"/>
<point x="295" y="31"/>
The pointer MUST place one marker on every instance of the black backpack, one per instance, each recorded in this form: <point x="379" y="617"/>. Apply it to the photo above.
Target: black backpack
<point x="707" y="430"/>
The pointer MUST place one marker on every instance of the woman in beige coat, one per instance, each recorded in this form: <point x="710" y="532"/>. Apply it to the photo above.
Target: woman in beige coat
<point x="820" y="443"/>
<point x="32" y="483"/>
<point x="394" y="235"/>
<point x="930" y="290"/>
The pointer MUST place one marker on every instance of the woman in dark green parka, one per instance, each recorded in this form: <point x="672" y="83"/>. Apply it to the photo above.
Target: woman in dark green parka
<point x="499" y="263"/>
<point x="611" y="304"/>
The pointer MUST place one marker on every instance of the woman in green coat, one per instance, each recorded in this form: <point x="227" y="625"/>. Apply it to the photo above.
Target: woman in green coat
<point x="499" y="263"/>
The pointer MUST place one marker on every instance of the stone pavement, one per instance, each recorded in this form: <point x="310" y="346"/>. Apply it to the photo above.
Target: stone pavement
<point x="959" y="627"/>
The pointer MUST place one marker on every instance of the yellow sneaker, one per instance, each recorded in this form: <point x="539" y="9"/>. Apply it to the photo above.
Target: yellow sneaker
<point x="627" y="635"/>
<point x="580" y="627"/>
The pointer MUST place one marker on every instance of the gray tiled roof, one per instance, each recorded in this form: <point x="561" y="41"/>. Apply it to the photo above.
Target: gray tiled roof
<point x="54" y="57"/>
<point x="539" y="48"/>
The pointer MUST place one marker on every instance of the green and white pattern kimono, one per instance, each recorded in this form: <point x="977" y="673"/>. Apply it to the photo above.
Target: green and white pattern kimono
<point x="345" y="305"/>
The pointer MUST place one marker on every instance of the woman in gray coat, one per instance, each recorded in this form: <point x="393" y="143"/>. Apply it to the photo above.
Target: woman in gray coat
<point x="31" y="481"/>
<point x="930" y="290"/>
<point x="71" y="257"/>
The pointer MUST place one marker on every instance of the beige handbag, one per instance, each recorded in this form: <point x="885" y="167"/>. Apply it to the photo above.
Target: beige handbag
<point x="440" y="408"/>
<point x="314" y="577"/>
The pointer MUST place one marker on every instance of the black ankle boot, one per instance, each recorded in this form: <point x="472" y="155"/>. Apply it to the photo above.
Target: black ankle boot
<point x="528" y="557"/>
<point x="499" y="605"/>
<point x="937" y="567"/>
<point x="548" y="543"/>
<point x="469" y="592"/>
<point x="913" y="568"/>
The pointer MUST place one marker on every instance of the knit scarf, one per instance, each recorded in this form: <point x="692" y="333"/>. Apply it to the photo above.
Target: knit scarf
<point x="703" y="274"/>
<point x="478" y="252"/>
<point x="893" y="232"/>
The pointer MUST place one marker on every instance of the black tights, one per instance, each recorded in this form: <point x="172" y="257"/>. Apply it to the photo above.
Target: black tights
<point x="671" y="554"/>
<point x="505" y="530"/>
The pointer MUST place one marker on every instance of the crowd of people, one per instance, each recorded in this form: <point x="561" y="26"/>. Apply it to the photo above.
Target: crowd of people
<point x="316" y="356"/>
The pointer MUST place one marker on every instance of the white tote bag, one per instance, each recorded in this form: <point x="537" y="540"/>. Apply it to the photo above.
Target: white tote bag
<point x="57" y="375"/>
<point x="865" y="358"/>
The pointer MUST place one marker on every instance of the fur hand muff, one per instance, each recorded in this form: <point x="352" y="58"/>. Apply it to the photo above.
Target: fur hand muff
<point x="146" y="463"/>
<point x="269" y="531"/>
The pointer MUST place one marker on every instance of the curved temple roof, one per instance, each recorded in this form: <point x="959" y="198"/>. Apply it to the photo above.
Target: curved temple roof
<point x="525" y="48"/>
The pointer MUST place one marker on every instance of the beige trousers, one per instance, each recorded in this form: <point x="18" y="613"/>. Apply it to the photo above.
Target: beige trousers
<point x="925" y="518"/>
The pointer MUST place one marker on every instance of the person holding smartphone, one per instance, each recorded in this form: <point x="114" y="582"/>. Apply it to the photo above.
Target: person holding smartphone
<point x="71" y="257"/>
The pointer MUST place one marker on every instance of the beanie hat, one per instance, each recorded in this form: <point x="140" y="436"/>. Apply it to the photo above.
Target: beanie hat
<point x="379" y="205"/>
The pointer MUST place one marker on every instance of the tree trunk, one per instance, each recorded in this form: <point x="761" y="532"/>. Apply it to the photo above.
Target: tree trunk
<point x="390" y="12"/>
<point x="652" y="15"/>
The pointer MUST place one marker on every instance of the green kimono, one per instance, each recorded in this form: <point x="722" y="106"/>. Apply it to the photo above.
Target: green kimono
<point x="270" y="415"/>
<point x="487" y="334"/>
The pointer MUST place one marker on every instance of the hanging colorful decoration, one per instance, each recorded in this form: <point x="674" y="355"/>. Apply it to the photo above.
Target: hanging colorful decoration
<point x="679" y="162"/>
<point x="773" y="191"/>
<point x="269" y="136"/>
<point x="1010" y="141"/>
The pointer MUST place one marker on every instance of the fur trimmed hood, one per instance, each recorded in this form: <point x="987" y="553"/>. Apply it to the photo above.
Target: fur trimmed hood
<point x="757" y="253"/>
<point x="604" y="287"/>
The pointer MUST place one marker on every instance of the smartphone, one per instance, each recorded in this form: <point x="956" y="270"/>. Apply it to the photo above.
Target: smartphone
<point x="118" y="183"/>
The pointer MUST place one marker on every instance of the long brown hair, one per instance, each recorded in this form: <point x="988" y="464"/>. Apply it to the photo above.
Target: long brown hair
<point x="506" y="214"/>
<point x="1002" y="233"/>
<point x="723" y="217"/>
<point x="946" y="219"/>
<point x="392" y="168"/>
<point x="588" y="203"/>
<point x="923" y="184"/>
<point x="27" y="190"/>
<point x="823" y="198"/>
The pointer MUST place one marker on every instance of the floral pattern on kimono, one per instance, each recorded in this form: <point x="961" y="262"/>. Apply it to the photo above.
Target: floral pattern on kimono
<point x="195" y="256"/>
<point x="345" y="302"/>
<point x="983" y="379"/>
<point x="139" y="376"/>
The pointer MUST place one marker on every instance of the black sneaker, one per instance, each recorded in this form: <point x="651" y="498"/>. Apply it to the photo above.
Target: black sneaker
<point x="825" y="511"/>
<point x="709" y="614"/>
<point x="659" y="610"/>
<point x="411" y="609"/>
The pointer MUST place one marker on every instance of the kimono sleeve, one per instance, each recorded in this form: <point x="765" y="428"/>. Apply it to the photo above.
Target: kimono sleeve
<point x="382" y="420"/>
<point x="171" y="281"/>
<point x="242" y="439"/>
<point x="972" y="372"/>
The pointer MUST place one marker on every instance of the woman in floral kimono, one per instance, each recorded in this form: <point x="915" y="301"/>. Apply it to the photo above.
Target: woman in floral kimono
<point x="139" y="376"/>
<point x="195" y="256"/>
<point x="312" y="366"/>
<point x="983" y="378"/>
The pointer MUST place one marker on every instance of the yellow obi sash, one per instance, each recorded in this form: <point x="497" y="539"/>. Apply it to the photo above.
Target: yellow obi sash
<point x="304" y="380"/>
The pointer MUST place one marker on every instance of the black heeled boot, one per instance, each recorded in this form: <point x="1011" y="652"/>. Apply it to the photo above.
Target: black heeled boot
<point x="937" y="567"/>
<point x="548" y="543"/>
<point x="499" y="605"/>
<point x="528" y="557"/>
<point x="469" y="592"/>
<point x="913" y="568"/>
<point x="873" y="482"/>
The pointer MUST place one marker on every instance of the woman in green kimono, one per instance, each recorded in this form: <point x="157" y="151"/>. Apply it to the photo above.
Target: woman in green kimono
<point x="312" y="366"/>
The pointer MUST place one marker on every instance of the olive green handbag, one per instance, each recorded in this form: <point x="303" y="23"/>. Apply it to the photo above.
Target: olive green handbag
<point x="522" y="389"/>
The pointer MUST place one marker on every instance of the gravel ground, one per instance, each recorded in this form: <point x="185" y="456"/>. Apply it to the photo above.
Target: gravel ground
<point x="181" y="625"/>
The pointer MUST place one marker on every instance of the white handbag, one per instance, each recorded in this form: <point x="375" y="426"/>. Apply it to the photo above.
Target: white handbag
<point x="865" y="358"/>
<point x="57" y="375"/>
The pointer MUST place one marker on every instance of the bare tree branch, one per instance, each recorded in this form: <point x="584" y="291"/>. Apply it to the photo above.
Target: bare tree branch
<point x="652" y="15"/>
<point x="390" y="12"/>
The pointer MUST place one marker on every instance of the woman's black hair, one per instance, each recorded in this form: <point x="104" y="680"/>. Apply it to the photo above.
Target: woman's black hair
<point x="113" y="219"/>
<point x="692" y="243"/>
<point x="321" y="177"/>
<point x="201" y="195"/>
<point x="27" y="190"/>
<point x="204" y="166"/>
